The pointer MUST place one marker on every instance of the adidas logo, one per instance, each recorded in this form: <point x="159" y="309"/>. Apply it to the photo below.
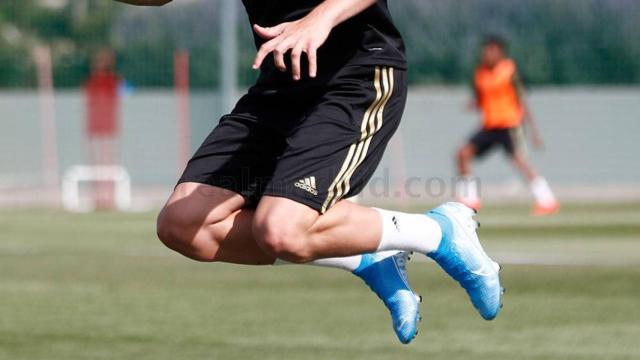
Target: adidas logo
<point x="308" y="185"/>
<point x="396" y="222"/>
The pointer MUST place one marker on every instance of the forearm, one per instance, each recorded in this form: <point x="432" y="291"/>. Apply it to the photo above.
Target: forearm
<point x="145" y="2"/>
<point x="530" y="125"/>
<point x="338" y="11"/>
<point x="526" y="113"/>
<point x="520" y="94"/>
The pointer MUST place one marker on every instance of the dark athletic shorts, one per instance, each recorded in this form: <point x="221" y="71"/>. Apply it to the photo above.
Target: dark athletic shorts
<point x="510" y="140"/>
<point x="314" y="144"/>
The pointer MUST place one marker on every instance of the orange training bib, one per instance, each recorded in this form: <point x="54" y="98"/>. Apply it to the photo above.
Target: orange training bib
<point x="498" y="96"/>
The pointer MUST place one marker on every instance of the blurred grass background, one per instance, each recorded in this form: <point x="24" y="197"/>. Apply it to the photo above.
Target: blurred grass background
<point x="99" y="286"/>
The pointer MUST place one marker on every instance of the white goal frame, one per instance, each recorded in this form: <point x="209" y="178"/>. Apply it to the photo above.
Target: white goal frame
<point x="84" y="173"/>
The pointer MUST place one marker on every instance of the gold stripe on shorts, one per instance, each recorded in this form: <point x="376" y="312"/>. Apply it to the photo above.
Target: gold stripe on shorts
<point x="371" y="123"/>
<point x="518" y="141"/>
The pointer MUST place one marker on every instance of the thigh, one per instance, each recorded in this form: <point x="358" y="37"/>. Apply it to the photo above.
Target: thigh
<point x="335" y="149"/>
<point x="291" y="217"/>
<point x="199" y="204"/>
<point x="240" y="153"/>
<point x="482" y="141"/>
<point x="514" y="144"/>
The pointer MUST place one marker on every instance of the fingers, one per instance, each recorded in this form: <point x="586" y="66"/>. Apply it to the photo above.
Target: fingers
<point x="279" y="44"/>
<point x="278" y="56"/>
<point x="296" y="55"/>
<point x="312" y="59"/>
<point x="296" y="59"/>
<point x="275" y="47"/>
<point x="264" y="50"/>
<point x="269" y="33"/>
<point x="312" y="56"/>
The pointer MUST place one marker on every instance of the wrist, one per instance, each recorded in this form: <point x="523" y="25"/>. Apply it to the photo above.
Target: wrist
<point x="325" y="16"/>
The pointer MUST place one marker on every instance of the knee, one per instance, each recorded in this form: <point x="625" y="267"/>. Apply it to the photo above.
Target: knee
<point x="281" y="240"/>
<point x="464" y="154"/>
<point x="175" y="229"/>
<point x="461" y="154"/>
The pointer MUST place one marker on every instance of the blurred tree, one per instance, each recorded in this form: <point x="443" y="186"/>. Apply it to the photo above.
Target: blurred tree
<point x="554" y="41"/>
<point x="73" y="29"/>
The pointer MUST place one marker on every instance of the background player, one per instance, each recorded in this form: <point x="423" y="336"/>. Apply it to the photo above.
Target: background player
<point x="267" y="185"/>
<point x="102" y="101"/>
<point x="500" y="98"/>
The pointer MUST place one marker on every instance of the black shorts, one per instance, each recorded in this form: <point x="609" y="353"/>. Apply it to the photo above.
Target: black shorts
<point x="510" y="140"/>
<point x="311" y="144"/>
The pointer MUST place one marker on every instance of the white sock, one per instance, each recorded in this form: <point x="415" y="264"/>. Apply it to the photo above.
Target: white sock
<point x="467" y="190"/>
<point x="542" y="192"/>
<point x="349" y="263"/>
<point x="409" y="232"/>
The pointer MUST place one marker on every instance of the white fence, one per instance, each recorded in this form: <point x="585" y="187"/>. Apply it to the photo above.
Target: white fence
<point x="591" y="136"/>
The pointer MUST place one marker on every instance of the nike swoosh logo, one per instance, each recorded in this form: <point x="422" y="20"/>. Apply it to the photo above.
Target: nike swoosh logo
<point x="485" y="270"/>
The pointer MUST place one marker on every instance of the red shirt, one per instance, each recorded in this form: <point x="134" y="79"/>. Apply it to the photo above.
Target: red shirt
<point x="103" y="105"/>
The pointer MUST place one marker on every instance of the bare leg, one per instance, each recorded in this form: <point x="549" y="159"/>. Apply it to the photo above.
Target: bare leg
<point x="467" y="189"/>
<point x="297" y="233"/>
<point x="465" y="157"/>
<point x="546" y="202"/>
<point x="208" y="223"/>
<point x="521" y="163"/>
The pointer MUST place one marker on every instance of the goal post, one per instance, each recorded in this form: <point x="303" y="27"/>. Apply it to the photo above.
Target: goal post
<point x="183" y="126"/>
<point x="44" y="70"/>
<point x="78" y="174"/>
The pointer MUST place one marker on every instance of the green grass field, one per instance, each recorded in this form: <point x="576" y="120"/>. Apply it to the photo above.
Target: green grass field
<point x="100" y="286"/>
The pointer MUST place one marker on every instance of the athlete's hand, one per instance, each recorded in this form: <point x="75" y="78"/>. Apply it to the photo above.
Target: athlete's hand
<point x="537" y="142"/>
<point x="303" y="36"/>
<point x="536" y="138"/>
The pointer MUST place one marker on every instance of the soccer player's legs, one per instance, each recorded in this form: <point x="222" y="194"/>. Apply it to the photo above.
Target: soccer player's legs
<point x="334" y="148"/>
<point x="208" y="220"/>
<point x="289" y="224"/>
<point x="210" y="223"/>
<point x="467" y="187"/>
<point x="208" y="217"/>
<point x="483" y="141"/>
<point x="234" y="162"/>
<point x="297" y="233"/>
<point x="513" y="145"/>
<point x="331" y="154"/>
<point x="292" y="228"/>
<point x="545" y="201"/>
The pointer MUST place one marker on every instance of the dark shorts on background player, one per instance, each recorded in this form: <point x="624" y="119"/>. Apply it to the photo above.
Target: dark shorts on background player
<point x="314" y="143"/>
<point x="510" y="140"/>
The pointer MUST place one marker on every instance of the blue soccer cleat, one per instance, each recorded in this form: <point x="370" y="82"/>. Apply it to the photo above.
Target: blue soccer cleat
<point x="387" y="277"/>
<point x="462" y="257"/>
